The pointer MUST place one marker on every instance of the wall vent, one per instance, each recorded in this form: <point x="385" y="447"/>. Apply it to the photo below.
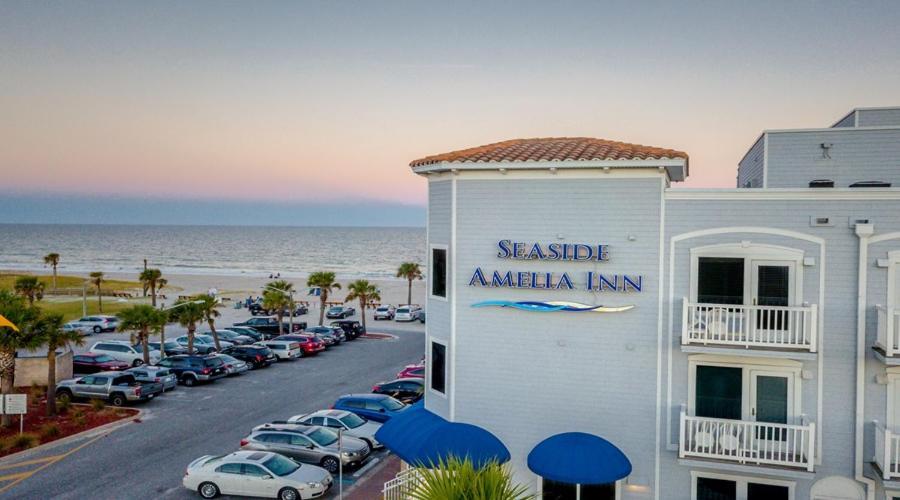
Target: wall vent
<point x="856" y="221"/>
<point x="821" y="221"/>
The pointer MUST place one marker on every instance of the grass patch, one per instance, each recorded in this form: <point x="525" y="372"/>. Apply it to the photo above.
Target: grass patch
<point x="71" y="309"/>
<point x="8" y="280"/>
<point x="50" y="431"/>
<point x="25" y="441"/>
<point x="98" y="404"/>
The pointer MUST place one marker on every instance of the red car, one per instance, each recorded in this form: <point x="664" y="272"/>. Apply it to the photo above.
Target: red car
<point x="92" y="362"/>
<point x="310" y="344"/>
<point x="412" y="371"/>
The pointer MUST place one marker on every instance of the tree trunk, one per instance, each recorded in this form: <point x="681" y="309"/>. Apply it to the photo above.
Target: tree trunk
<point x="162" y="341"/>
<point x="99" y="299"/>
<point x="153" y="293"/>
<point x="190" y="332"/>
<point x="145" y="345"/>
<point x="51" y="380"/>
<point x="280" y="316"/>
<point x="362" y="311"/>
<point x="409" y="291"/>
<point x="8" y="374"/>
<point x="54" y="278"/>
<point x="323" y="298"/>
<point x="215" y="334"/>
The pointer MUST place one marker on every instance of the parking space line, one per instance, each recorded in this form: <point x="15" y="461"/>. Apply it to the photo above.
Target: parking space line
<point x="56" y="458"/>
<point x="366" y="467"/>
<point x="17" y="475"/>
<point x="27" y="462"/>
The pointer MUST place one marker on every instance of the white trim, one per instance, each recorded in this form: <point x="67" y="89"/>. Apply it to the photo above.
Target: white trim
<point x="787" y="194"/>
<point x="546" y="174"/>
<point x="673" y="446"/>
<point x="893" y="377"/>
<point x="429" y="366"/>
<point x="741" y="483"/>
<point x="676" y="168"/>
<point x="659" y="339"/>
<point x="451" y="282"/>
<point x="856" y="117"/>
<point x="431" y="248"/>
<point x="830" y="129"/>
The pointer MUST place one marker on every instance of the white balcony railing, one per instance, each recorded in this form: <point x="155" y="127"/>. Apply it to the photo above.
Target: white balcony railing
<point x="888" y="337"/>
<point x="749" y="326"/>
<point x="402" y="486"/>
<point x="887" y="451"/>
<point x="748" y="442"/>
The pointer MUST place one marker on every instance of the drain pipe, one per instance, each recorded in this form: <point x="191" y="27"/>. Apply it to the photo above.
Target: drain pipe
<point x="863" y="232"/>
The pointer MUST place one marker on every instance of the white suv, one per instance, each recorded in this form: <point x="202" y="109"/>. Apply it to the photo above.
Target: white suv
<point x="123" y="351"/>
<point x="407" y="313"/>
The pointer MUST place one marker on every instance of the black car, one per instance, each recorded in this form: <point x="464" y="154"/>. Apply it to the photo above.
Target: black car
<point x="331" y="335"/>
<point x="256" y="356"/>
<point x="407" y="390"/>
<point x="249" y="332"/>
<point x="340" y="312"/>
<point x="172" y="347"/>
<point x="352" y="328"/>
<point x="191" y="369"/>
<point x="269" y="325"/>
<point x="258" y="310"/>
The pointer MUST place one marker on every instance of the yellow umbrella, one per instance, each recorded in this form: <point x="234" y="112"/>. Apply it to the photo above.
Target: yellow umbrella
<point x="6" y="322"/>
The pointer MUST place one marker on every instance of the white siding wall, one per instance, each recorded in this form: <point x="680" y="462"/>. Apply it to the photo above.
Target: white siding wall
<point x="879" y="117"/>
<point x="438" y="311"/>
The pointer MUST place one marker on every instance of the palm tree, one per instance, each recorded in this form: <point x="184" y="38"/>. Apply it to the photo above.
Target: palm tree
<point x="29" y="287"/>
<point x="144" y="319"/>
<point x="52" y="260"/>
<point x="366" y="293"/>
<point x="411" y="271"/>
<point x="455" y="478"/>
<point x="188" y="313"/>
<point x="277" y="301"/>
<point x="49" y="328"/>
<point x="150" y="278"/>
<point x="208" y="305"/>
<point x="97" y="280"/>
<point x="324" y="281"/>
<point x="14" y="309"/>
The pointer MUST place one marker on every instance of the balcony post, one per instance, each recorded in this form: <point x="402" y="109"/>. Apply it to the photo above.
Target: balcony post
<point x="814" y="328"/>
<point x="811" y="447"/>
<point x="681" y="434"/>
<point x="890" y="348"/>
<point x="685" y="325"/>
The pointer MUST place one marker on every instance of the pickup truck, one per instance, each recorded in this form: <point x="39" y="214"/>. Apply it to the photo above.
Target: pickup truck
<point x="116" y="387"/>
<point x="258" y="310"/>
<point x="269" y="325"/>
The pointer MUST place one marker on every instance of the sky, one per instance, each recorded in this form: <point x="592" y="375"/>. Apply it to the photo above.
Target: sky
<point x="173" y="107"/>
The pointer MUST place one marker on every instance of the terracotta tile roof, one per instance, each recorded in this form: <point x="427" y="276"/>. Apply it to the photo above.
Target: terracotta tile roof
<point x="552" y="149"/>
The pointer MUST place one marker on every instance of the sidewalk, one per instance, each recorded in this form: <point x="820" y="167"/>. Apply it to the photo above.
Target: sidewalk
<point x="370" y="488"/>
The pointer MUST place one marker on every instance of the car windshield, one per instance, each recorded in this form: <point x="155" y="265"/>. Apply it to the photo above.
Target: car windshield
<point x="323" y="436"/>
<point x="352" y="420"/>
<point x="391" y="404"/>
<point x="214" y="362"/>
<point x="103" y="358"/>
<point x="402" y="310"/>
<point x="281" y="466"/>
<point x="382" y="309"/>
<point x="172" y="345"/>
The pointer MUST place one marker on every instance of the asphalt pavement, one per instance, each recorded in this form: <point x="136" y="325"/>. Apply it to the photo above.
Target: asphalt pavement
<point x="146" y="460"/>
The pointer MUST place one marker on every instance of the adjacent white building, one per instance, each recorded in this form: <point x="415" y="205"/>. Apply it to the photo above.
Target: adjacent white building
<point x="732" y="343"/>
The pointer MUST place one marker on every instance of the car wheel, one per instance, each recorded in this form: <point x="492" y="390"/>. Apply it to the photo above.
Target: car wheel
<point x="208" y="490"/>
<point x="330" y="464"/>
<point x="189" y="381"/>
<point x="137" y="362"/>
<point x="97" y="329"/>
<point x="117" y="400"/>
<point x="64" y="396"/>
<point x="288" y="494"/>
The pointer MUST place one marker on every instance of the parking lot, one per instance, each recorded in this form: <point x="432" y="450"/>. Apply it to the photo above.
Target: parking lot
<point x="147" y="459"/>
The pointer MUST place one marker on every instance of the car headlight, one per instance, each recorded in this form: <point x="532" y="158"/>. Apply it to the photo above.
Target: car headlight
<point x="349" y="454"/>
<point x="314" y="485"/>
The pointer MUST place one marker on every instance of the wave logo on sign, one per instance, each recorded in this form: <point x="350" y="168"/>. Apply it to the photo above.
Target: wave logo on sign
<point x="554" y="306"/>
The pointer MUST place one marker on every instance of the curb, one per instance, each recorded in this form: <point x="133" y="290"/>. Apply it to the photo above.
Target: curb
<point x="111" y="426"/>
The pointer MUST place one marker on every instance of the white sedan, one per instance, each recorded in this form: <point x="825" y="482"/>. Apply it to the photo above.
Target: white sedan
<point x="256" y="474"/>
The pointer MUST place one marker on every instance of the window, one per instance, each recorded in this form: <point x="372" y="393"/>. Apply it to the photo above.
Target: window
<point x="709" y="486"/>
<point x="354" y="403"/>
<point x="553" y="490"/>
<point x="438" y="367"/>
<point x="719" y="392"/>
<point x="720" y="280"/>
<point x="229" y="468"/>
<point x="99" y="381"/>
<point x="254" y="470"/>
<point x="317" y="421"/>
<point x="299" y="441"/>
<point x="439" y="272"/>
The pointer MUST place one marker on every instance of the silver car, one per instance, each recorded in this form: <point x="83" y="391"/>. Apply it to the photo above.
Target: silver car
<point x="233" y="366"/>
<point x="309" y="444"/>
<point x="350" y="424"/>
<point x="158" y="374"/>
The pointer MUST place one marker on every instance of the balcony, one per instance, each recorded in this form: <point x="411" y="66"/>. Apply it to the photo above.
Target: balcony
<point x="773" y="327"/>
<point x="888" y="338"/>
<point x="887" y="452"/>
<point x="402" y="486"/>
<point x="747" y="442"/>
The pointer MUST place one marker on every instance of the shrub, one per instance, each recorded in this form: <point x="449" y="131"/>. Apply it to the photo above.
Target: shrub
<point x="6" y="443"/>
<point x="78" y="418"/>
<point x="50" y="431"/>
<point x="24" y="441"/>
<point x="62" y="406"/>
<point x="98" y="404"/>
<point x="37" y="392"/>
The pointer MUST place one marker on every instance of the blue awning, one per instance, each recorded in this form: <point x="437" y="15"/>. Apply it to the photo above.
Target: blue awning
<point x="578" y="458"/>
<point x="421" y="438"/>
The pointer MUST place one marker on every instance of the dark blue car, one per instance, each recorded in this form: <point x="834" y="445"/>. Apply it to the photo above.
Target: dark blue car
<point x="377" y="407"/>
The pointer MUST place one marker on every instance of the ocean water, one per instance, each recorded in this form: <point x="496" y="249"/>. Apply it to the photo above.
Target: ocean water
<point x="218" y="250"/>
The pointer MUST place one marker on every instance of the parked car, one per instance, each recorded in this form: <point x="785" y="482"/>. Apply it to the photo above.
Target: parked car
<point x="171" y="347"/>
<point x="406" y="390"/>
<point x="123" y="351"/>
<point x="407" y="313"/>
<point x="340" y="312"/>
<point x="255" y="474"/>
<point x="256" y="356"/>
<point x="191" y="369"/>
<point x="158" y="374"/>
<point x="257" y="309"/>
<point x="385" y="312"/>
<point x="352" y="328"/>
<point x="412" y="371"/>
<point x="310" y="344"/>
<point x="233" y="337"/>
<point x="116" y="387"/>
<point x="331" y="336"/>
<point x="81" y="329"/>
<point x="284" y="350"/>
<point x="233" y="366"/>
<point x="308" y="444"/>
<point x="377" y="407"/>
<point x="203" y="344"/>
<point x="92" y="362"/>
<point x="247" y="331"/>
<point x="422" y="317"/>
<point x="97" y="324"/>
<point x="269" y="325"/>
<point x="350" y="424"/>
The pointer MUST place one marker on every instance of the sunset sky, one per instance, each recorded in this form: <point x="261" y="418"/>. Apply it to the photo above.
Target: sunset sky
<point x="307" y="102"/>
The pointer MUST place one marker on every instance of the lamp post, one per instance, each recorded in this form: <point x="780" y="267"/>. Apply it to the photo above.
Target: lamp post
<point x="292" y="305"/>
<point x="340" y="464"/>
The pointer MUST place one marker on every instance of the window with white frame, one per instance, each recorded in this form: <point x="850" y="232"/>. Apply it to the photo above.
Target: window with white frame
<point x="746" y="274"/>
<point x="710" y="486"/>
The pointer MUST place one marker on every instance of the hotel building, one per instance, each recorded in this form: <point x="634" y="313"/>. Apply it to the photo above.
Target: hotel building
<point x="729" y="343"/>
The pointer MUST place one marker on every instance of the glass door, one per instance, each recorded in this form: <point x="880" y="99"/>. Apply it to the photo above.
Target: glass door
<point x="772" y="285"/>
<point x="771" y="401"/>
